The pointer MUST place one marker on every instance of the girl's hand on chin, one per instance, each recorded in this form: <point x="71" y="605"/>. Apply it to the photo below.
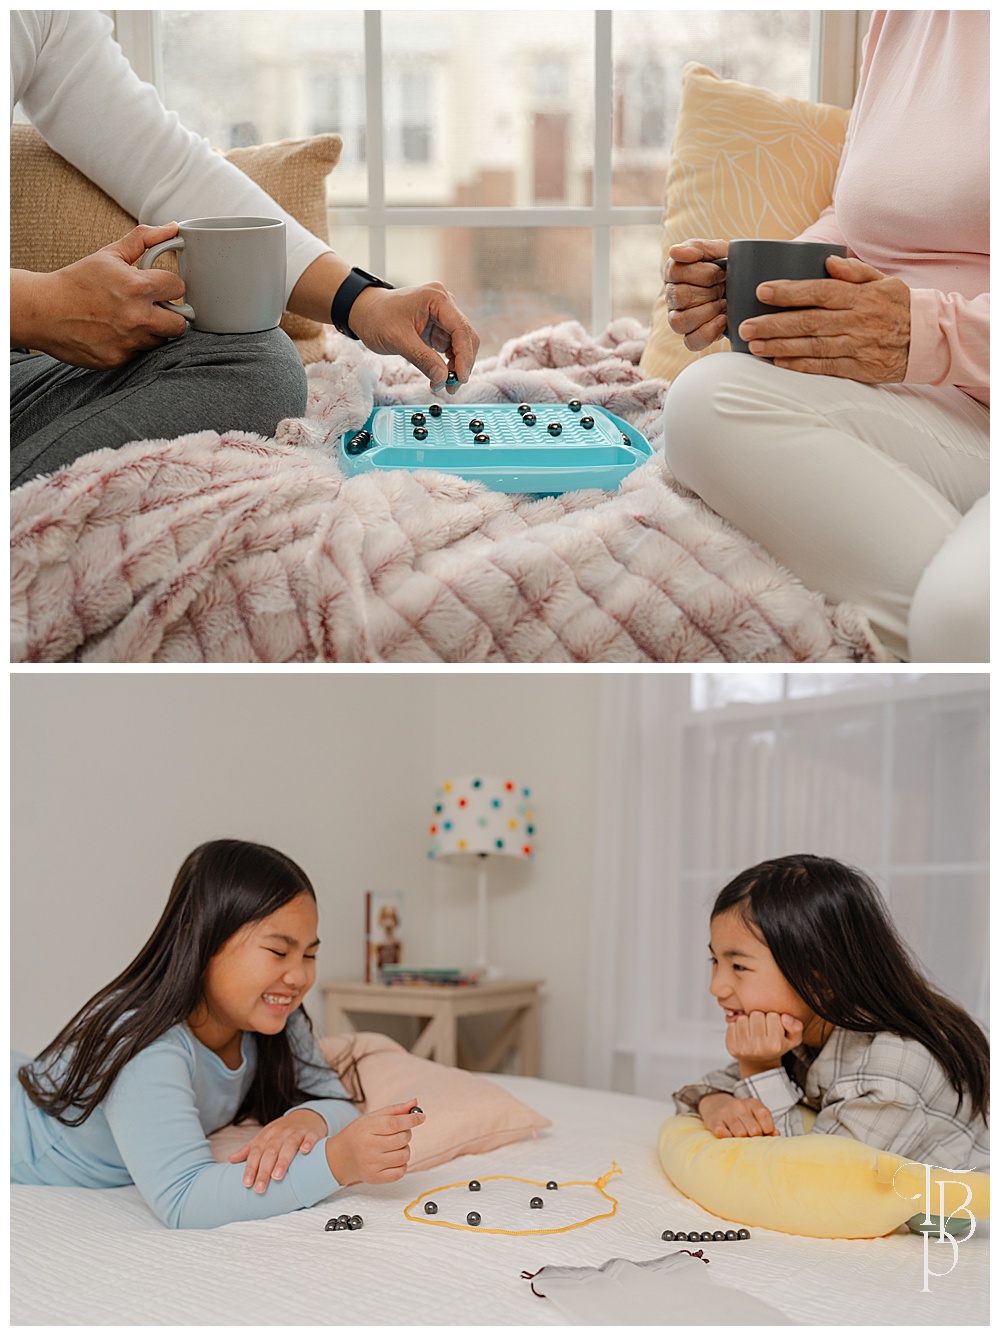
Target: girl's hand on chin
<point x="759" y="1040"/>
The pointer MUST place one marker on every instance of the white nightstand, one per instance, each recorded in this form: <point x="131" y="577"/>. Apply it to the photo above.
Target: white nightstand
<point x="441" y="1007"/>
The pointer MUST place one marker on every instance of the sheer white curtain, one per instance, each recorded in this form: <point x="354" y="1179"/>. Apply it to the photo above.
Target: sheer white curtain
<point x="705" y="774"/>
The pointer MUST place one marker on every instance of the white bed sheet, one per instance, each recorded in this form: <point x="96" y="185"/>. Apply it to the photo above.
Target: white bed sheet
<point x="91" y="1257"/>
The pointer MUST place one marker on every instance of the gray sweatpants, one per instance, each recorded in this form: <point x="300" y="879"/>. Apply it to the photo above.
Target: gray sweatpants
<point x="218" y="382"/>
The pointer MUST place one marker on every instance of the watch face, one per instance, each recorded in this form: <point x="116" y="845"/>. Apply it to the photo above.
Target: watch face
<point x="372" y="278"/>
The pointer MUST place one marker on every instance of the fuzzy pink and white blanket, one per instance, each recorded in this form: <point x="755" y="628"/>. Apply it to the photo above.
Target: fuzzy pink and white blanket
<point x="236" y="548"/>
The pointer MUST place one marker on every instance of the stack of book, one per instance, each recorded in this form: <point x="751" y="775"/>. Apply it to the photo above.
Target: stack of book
<point x="427" y="975"/>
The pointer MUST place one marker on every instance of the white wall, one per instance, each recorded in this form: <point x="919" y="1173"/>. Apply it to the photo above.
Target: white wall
<point x="116" y="777"/>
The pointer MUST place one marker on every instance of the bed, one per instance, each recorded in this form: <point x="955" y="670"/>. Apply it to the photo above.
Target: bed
<point x="87" y="1257"/>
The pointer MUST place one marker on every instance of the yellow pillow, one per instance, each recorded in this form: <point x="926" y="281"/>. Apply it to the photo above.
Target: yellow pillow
<point x="745" y="162"/>
<point x="58" y="216"/>
<point x="827" y="1187"/>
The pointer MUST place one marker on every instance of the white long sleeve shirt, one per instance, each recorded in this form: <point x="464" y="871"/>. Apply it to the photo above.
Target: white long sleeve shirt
<point x="81" y="94"/>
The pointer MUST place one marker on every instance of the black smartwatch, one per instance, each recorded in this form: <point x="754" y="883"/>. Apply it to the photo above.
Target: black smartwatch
<point x="356" y="281"/>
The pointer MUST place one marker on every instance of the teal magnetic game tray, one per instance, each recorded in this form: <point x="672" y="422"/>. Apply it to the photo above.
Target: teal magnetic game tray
<point x="546" y="448"/>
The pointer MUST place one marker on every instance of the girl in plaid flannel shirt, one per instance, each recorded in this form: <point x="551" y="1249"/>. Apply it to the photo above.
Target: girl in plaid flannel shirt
<point x="825" y="1010"/>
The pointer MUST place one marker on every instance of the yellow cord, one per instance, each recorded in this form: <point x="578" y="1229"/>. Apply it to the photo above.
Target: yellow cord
<point x="509" y="1178"/>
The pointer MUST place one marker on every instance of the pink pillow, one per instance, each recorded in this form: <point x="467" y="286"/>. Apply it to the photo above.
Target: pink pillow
<point x="466" y="1114"/>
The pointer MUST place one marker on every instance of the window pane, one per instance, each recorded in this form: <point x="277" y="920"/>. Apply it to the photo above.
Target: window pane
<point x="488" y="108"/>
<point x="770" y="48"/>
<point x="635" y="270"/>
<point x="255" y="76"/>
<point x="714" y="691"/>
<point x="508" y="280"/>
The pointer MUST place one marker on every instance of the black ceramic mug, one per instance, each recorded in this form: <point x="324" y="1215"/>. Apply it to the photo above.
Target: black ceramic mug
<point x="753" y="261"/>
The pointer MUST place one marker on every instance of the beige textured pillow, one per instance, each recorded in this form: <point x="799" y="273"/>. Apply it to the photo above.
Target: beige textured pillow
<point x="58" y="216"/>
<point x="745" y="162"/>
<point x="466" y="1114"/>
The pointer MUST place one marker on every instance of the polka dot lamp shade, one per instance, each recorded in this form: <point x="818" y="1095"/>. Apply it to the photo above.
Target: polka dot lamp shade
<point x="482" y="814"/>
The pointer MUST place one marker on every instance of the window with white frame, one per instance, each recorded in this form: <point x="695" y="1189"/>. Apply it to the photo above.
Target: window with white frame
<point x="888" y="773"/>
<point x="704" y="775"/>
<point x="517" y="157"/>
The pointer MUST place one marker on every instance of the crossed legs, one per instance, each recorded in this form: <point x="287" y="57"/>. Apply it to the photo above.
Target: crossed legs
<point x="245" y="382"/>
<point x="866" y="492"/>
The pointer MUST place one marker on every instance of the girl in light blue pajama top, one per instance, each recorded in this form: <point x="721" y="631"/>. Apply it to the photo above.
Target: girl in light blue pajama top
<point x="239" y="1046"/>
<point x="151" y="1130"/>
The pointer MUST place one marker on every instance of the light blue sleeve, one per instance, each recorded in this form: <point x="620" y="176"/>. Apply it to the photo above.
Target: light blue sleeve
<point x="153" y="1117"/>
<point x="316" y="1074"/>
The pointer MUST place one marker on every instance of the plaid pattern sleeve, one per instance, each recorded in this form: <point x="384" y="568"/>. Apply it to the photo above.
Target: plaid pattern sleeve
<point x="891" y="1093"/>
<point x="725" y="1080"/>
<point x="778" y="1091"/>
<point x="881" y="1089"/>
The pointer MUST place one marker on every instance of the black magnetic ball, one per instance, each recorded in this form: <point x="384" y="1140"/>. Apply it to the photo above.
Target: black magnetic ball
<point x="555" y="428"/>
<point x="430" y="1208"/>
<point x="668" y="1236"/>
<point x="552" y="1187"/>
<point x="358" y="442"/>
<point x="420" y="433"/>
<point x="743" y="1233"/>
<point x="417" y="419"/>
<point x="355" y="1222"/>
<point x="416" y="1109"/>
<point x="481" y="438"/>
<point x="331" y="1224"/>
<point x="587" y="422"/>
<point x="476" y="424"/>
<point x="575" y="405"/>
<point x="343" y="1219"/>
<point x="706" y="1236"/>
<point x="537" y="1203"/>
<point x="718" y="1234"/>
<point x="475" y="1185"/>
<point x="680" y="1236"/>
<point x="343" y="1224"/>
<point x="529" y="419"/>
<point x="474" y="1218"/>
<point x="452" y="378"/>
<point x="730" y="1235"/>
<point x="524" y="408"/>
<point x="435" y="410"/>
<point x="625" y="439"/>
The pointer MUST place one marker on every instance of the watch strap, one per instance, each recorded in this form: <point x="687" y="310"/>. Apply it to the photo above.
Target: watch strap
<point x="344" y="298"/>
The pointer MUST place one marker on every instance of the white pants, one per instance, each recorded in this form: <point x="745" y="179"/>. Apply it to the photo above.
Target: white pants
<point x="873" y="494"/>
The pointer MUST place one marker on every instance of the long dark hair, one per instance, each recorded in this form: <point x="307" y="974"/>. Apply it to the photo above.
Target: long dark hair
<point x="830" y="934"/>
<point x="221" y="886"/>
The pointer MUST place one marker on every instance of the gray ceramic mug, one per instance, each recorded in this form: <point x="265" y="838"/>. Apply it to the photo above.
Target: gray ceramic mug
<point x="754" y="261"/>
<point x="233" y="271"/>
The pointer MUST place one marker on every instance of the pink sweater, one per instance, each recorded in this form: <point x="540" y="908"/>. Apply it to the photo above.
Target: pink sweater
<point x="912" y="192"/>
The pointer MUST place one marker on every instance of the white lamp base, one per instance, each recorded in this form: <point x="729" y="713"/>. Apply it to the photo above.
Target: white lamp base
<point x="482" y="966"/>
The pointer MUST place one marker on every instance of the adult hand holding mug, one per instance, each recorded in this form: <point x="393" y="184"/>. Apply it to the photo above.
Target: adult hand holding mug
<point x="100" y="311"/>
<point x="855" y="323"/>
<point x="696" y="292"/>
<point x="233" y="268"/>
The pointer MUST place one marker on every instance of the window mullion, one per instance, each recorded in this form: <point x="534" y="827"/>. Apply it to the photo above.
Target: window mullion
<point x="375" y="140"/>
<point x="600" y="296"/>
